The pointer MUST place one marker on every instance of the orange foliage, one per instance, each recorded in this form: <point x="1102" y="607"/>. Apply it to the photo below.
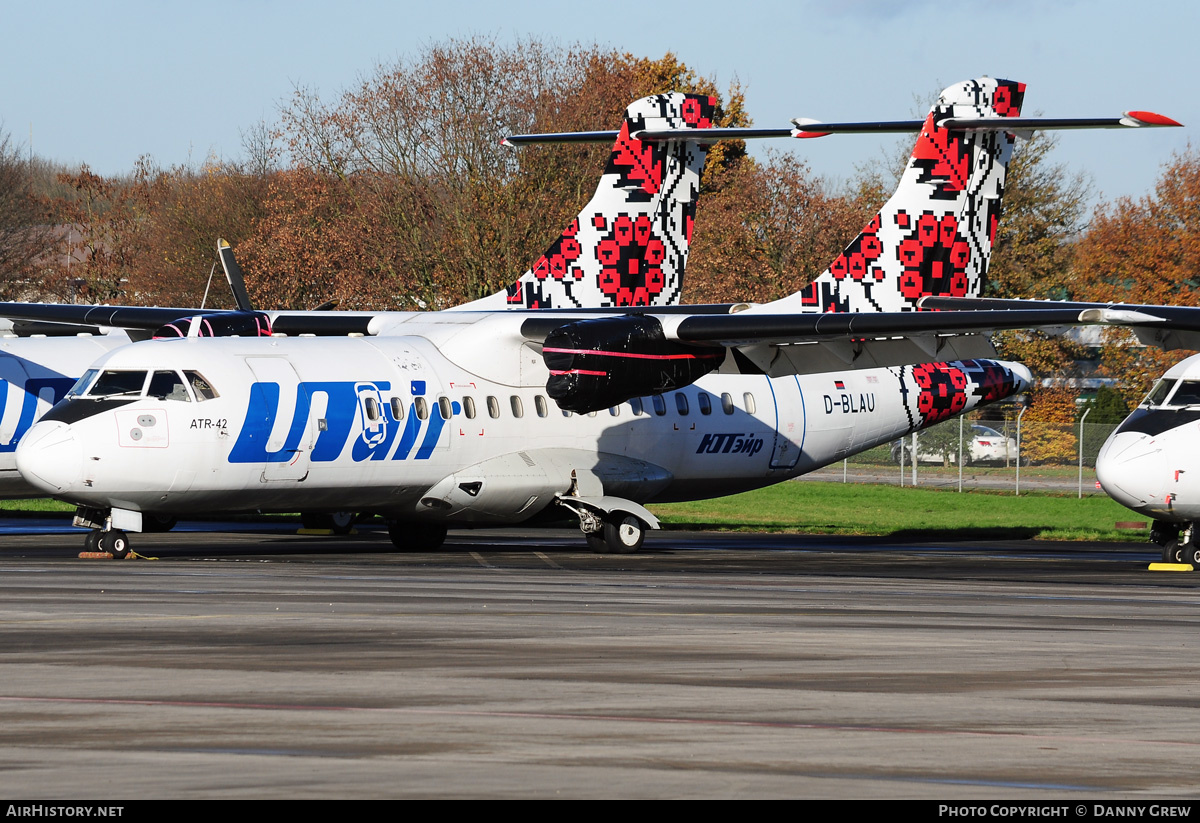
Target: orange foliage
<point x="1048" y="432"/>
<point x="1145" y="251"/>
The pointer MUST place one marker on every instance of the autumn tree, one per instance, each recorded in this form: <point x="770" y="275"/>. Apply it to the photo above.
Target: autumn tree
<point x="186" y="210"/>
<point x="25" y="235"/>
<point x="105" y="217"/>
<point x="1144" y="251"/>
<point x="425" y="207"/>
<point x="766" y="230"/>
<point x="1048" y="432"/>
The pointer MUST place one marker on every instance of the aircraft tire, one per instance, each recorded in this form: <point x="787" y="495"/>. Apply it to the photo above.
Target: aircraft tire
<point x="158" y="522"/>
<point x="115" y="542"/>
<point x="342" y="522"/>
<point x="91" y="542"/>
<point x="595" y="541"/>
<point x="1172" y="552"/>
<point x="1192" y="555"/>
<point x="623" y="533"/>
<point x="416" y="537"/>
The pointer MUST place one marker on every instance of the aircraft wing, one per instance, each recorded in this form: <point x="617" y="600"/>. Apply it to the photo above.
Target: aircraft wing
<point x="165" y="321"/>
<point x="1167" y="327"/>
<point x="785" y="344"/>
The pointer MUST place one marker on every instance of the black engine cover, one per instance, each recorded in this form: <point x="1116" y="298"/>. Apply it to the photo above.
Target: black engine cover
<point x="221" y="324"/>
<point x="601" y="362"/>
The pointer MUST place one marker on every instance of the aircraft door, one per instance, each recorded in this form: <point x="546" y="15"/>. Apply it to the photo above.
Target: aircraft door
<point x="289" y="444"/>
<point x="789" y="422"/>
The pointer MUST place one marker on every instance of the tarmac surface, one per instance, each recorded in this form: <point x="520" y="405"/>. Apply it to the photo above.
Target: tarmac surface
<point x="262" y="664"/>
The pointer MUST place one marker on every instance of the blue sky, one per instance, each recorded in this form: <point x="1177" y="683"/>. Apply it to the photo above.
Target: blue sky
<point x="105" y="83"/>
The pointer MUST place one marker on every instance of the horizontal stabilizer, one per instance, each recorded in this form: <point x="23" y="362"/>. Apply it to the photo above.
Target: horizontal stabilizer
<point x="648" y="135"/>
<point x="1131" y="119"/>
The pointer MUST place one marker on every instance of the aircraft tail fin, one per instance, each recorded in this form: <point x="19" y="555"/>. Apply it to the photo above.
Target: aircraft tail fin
<point x="629" y="244"/>
<point x="934" y="236"/>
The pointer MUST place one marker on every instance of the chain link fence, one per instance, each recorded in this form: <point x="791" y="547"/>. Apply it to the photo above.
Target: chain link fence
<point x="999" y="453"/>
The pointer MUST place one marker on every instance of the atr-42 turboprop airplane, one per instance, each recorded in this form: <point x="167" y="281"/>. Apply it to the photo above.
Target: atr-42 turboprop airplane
<point x="648" y="181"/>
<point x="441" y="418"/>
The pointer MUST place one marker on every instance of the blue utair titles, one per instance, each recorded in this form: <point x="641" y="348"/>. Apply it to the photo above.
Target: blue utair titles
<point x="346" y="403"/>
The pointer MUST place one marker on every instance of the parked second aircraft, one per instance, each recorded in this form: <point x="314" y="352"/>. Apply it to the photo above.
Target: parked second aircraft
<point x="485" y="417"/>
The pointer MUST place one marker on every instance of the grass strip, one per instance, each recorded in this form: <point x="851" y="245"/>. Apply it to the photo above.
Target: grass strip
<point x="869" y="509"/>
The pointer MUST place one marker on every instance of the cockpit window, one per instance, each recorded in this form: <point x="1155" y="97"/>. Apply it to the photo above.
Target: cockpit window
<point x="82" y="383"/>
<point x="202" y="388"/>
<point x="168" y="385"/>
<point x="1188" y="393"/>
<point x="110" y="383"/>
<point x="1159" y="393"/>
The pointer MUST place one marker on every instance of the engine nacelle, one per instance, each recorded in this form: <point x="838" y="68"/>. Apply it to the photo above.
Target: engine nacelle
<point x="221" y="324"/>
<point x="598" y="363"/>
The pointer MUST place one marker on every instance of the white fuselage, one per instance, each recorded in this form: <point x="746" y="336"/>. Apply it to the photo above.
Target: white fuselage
<point x="445" y="417"/>
<point x="1150" y="463"/>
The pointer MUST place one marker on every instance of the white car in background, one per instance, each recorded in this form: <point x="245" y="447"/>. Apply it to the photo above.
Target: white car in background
<point x="986" y="446"/>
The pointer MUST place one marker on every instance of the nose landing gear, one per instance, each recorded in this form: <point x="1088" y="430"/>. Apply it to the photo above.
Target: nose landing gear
<point x="1177" y="546"/>
<point x="104" y="536"/>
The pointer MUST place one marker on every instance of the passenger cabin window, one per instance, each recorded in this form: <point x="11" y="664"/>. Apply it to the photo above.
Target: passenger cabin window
<point x="704" y="403"/>
<point x="727" y="402"/>
<point x="469" y="407"/>
<point x="111" y="383"/>
<point x="422" y="408"/>
<point x="1188" y="393"/>
<point x="518" y="408"/>
<point x="660" y="405"/>
<point x="749" y="401"/>
<point x="397" y="409"/>
<point x="371" y="406"/>
<point x="539" y="403"/>
<point x="636" y="405"/>
<point x="201" y="387"/>
<point x="681" y="404"/>
<point x="615" y="411"/>
<point x="493" y="407"/>
<point x="444" y="407"/>
<point x="168" y="385"/>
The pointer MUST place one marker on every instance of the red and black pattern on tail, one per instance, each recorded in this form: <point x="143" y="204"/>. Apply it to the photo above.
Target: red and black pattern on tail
<point x="629" y="245"/>
<point x="934" y="236"/>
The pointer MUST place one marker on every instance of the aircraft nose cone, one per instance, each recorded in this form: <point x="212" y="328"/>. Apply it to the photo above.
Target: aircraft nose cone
<point x="49" y="457"/>
<point x="1128" y="467"/>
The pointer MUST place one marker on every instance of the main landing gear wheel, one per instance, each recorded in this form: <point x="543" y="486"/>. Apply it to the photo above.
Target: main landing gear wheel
<point x="1191" y="554"/>
<point x="158" y="522"/>
<point x="416" y="537"/>
<point x="1173" y="552"/>
<point x="115" y="542"/>
<point x="91" y="542"/>
<point x="621" y="533"/>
